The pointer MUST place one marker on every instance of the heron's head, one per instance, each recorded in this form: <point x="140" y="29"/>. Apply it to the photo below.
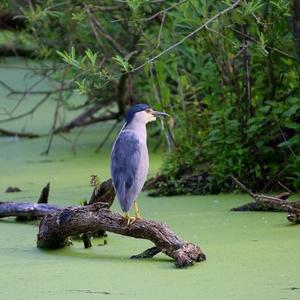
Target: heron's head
<point x="143" y="113"/>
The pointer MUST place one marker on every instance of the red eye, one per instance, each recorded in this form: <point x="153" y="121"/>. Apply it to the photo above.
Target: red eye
<point x="148" y="110"/>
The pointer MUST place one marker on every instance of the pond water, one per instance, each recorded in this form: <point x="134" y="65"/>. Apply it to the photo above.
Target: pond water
<point x="249" y="255"/>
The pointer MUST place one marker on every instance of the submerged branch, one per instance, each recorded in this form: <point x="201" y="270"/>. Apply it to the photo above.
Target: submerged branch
<point x="30" y="135"/>
<point x="268" y="203"/>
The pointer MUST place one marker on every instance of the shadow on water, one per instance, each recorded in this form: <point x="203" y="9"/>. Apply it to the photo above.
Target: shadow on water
<point x="90" y="254"/>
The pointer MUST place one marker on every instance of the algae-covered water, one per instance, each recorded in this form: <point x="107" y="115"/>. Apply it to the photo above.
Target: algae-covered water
<point x="249" y="255"/>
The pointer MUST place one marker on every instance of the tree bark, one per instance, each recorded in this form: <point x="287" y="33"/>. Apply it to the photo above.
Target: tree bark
<point x="55" y="231"/>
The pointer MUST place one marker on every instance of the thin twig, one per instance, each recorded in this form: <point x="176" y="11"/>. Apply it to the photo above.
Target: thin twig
<point x="155" y="14"/>
<point x="107" y="8"/>
<point x="285" y="187"/>
<point x="222" y="35"/>
<point x="14" y="92"/>
<point x="160" y="29"/>
<point x="4" y="66"/>
<point x="164" y="10"/>
<point x="287" y="143"/>
<point x="52" y="130"/>
<point x="24" y="95"/>
<point x="252" y="39"/>
<point x="168" y="133"/>
<point x="101" y="30"/>
<point x="59" y="101"/>
<point x="31" y="111"/>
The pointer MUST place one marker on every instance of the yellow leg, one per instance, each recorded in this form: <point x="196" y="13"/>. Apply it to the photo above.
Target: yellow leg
<point x="137" y="211"/>
<point x="129" y="219"/>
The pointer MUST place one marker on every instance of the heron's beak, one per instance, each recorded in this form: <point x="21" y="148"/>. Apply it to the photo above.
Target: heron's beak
<point x="159" y="114"/>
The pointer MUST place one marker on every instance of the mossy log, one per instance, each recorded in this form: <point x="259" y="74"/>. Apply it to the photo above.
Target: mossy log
<point x="60" y="224"/>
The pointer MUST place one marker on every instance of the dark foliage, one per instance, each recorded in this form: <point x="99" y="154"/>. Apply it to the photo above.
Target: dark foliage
<point x="232" y="85"/>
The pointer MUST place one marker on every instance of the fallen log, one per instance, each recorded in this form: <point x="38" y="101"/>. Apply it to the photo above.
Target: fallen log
<point x="278" y="203"/>
<point x="55" y="230"/>
<point x="60" y="224"/>
<point x="103" y="193"/>
<point x="26" y="210"/>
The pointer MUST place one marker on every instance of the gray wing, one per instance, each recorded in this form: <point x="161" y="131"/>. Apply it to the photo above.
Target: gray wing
<point x="125" y="159"/>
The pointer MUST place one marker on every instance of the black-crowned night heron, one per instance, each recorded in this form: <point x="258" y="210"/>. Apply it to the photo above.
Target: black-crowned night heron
<point x="130" y="159"/>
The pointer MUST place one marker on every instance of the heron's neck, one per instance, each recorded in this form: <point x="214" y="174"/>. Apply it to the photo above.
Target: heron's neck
<point x="138" y="128"/>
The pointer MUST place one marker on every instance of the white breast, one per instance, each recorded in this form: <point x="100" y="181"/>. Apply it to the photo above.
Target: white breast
<point x="143" y="167"/>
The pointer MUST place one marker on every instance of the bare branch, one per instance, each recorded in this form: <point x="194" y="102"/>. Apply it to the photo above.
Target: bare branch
<point x="52" y="130"/>
<point x="41" y="92"/>
<point x="165" y="10"/>
<point x="107" y="136"/>
<point x="160" y="29"/>
<point x="242" y="186"/>
<point x="87" y="118"/>
<point x="96" y="25"/>
<point x="31" y="111"/>
<point x="252" y="39"/>
<point x="29" y="90"/>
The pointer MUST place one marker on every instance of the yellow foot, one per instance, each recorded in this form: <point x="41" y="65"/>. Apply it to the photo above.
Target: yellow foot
<point x="130" y="220"/>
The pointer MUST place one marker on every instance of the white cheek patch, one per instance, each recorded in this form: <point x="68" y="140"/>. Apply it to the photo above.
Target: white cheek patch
<point x="151" y="118"/>
<point x="144" y="117"/>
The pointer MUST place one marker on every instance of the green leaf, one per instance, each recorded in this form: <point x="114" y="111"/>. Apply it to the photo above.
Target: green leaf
<point x="125" y="65"/>
<point x="291" y="111"/>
